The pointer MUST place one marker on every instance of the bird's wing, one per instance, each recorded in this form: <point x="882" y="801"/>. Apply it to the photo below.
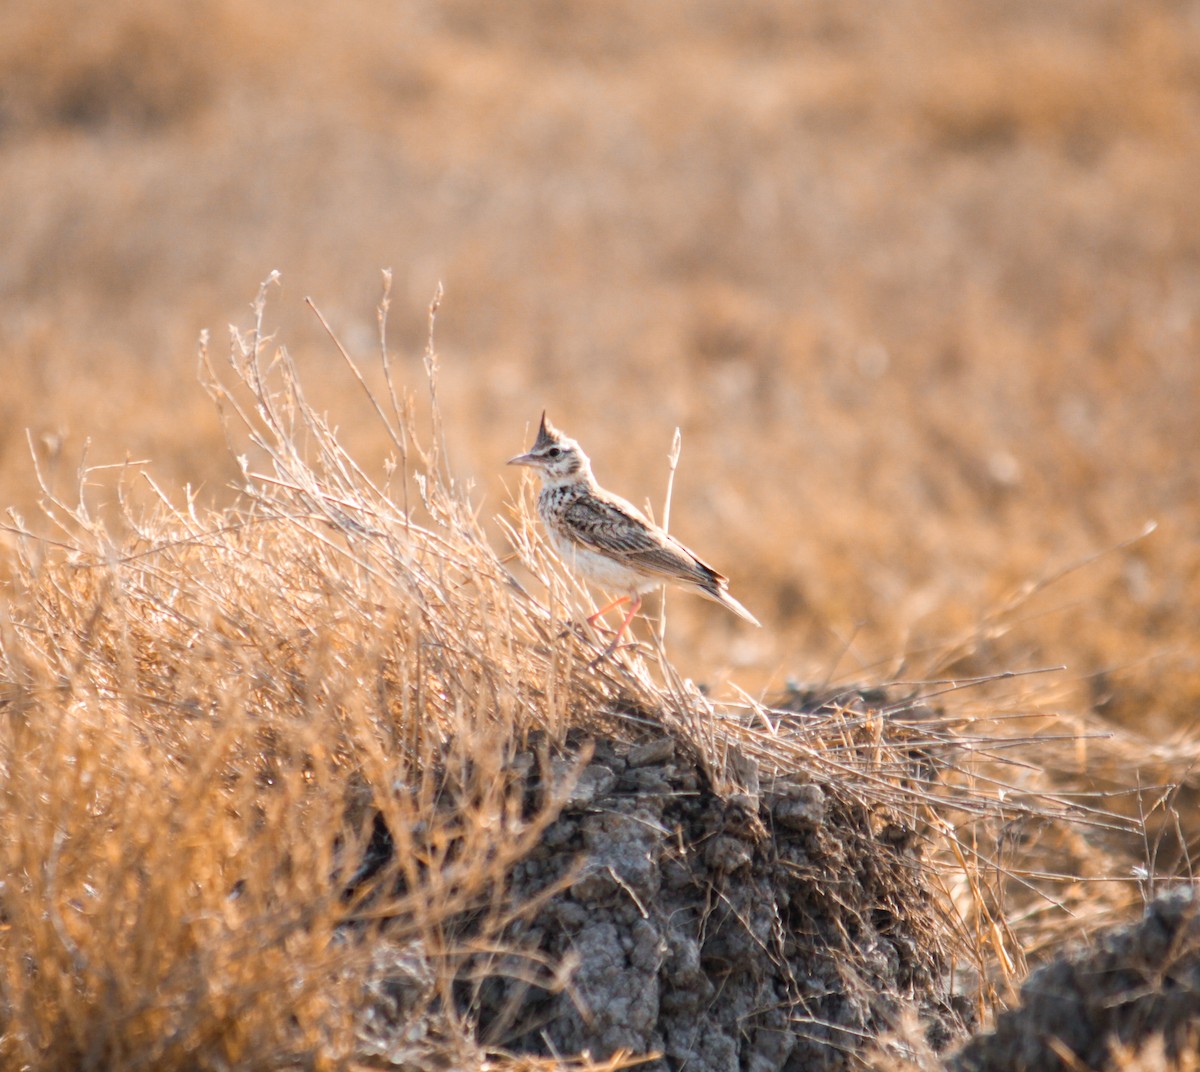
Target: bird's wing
<point x="614" y="527"/>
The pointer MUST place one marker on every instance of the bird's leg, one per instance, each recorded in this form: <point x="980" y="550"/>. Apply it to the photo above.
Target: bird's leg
<point x="635" y="602"/>
<point x="593" y="618"/>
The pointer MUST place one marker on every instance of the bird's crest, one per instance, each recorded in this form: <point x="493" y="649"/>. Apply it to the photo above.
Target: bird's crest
<point x="547" y="435"/>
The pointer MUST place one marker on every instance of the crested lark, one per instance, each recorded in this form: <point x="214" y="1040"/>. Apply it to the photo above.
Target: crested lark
<point x="610" y="541"/>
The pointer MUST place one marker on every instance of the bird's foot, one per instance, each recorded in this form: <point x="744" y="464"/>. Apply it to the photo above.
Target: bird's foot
<point x="615" y="646"/>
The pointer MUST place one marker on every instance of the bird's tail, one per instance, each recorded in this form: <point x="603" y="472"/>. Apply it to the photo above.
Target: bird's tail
<point x="720" y="594"/>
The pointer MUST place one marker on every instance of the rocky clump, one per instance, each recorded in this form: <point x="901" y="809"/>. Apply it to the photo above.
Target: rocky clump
<point x="1136" y="986"/>
<point x="782" y="928"/>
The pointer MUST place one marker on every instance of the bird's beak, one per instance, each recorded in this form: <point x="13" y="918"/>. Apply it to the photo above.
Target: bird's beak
<point x="523" y="459"/>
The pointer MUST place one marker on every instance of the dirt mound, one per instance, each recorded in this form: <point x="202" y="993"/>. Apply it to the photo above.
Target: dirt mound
<point x="1137" y="985"/>
<point x="776" y="928"/>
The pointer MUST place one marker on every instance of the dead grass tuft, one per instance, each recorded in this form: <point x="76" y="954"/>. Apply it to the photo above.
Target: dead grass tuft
<point x="202" y="714"/>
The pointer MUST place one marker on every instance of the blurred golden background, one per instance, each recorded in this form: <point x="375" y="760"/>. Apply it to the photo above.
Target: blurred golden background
<point x="919" y="283"/>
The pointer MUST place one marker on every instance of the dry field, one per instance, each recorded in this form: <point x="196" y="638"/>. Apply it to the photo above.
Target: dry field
<point x="919" y="284"/>
<point x="919" y="289"/>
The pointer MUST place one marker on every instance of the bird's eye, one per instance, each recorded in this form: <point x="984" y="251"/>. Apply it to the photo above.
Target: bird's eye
<point x="553" y="452"/>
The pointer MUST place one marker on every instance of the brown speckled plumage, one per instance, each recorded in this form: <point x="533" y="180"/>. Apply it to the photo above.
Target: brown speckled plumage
<point x="608" y="540"/>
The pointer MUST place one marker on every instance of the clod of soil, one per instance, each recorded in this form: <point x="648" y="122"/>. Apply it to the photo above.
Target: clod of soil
<point x="763" y="930"/>
<point x="1136" y="985"/>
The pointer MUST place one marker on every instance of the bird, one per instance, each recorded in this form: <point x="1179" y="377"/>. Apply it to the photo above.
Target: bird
<point x="608" y="540"/>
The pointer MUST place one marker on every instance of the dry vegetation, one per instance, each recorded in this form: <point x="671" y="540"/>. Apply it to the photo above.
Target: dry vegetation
<point x="920" y="288"/>
<point x="205" y="712"/>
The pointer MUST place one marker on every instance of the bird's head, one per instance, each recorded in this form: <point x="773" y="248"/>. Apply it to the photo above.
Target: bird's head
<point x="557" y="458"/>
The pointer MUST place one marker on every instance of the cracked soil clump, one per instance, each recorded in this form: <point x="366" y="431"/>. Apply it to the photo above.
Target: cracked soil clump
<point x="781" y="928"/>
<point x="1137" y="986"/>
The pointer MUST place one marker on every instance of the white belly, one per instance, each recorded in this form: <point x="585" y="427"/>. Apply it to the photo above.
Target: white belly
<point x="600" y="569"/>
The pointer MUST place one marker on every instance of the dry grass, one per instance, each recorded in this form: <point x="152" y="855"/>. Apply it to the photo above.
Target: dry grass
<point x="941" y="259"/>
<point x="201" y="719"/>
